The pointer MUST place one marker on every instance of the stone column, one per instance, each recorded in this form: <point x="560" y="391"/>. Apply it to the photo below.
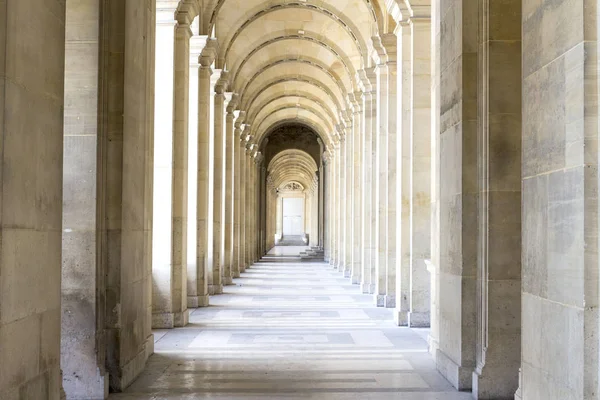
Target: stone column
<point x="358" y="134"/>
<point x="203" y="166"/>
<point x="381" y="182"/>
<point x="228" y="206"/>
<point x="389" y="42"/>
<point x="559" y="200"/>
<point x="366" y="181"/>
<point x="197" y="43"/>
<point x="242" y="191"/>
<point x="169" y="305"/>
<point x="458" y="198"/>
<point x="334" y="202"/>
<point x="343" y="205"/>
<point x="403" y="273"/>
<point x="348" y="197"/>
<point x="372" y="77"/>
<point x="129" y="134"/>
<point x="31" y="133"/>
<point x="218" y="194"/>
<point x="326" y="206"/>
<point x="420" y="172"/>
<point x="235" y="257"/>
<point x="498" y="334"/>
<point x="248" y="204"/>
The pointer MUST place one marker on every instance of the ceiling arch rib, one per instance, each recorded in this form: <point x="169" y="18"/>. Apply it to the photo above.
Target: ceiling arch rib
<point x="373" y="7"/>
<point x="307" y="45"/>
<point x="327" y="124"/>
<point x="292" y="165"/>
<point x="289" y="63"/>
<point x="297" y="96"/>
<point x="292" y="115"/>
<point x="297" y="71"/>
<point x="326" y="137"/>
<point x="357" y="27"/>
<point x="248" y="98"/>
<point x="289" y="101"/>
<point x="289" y="88"/>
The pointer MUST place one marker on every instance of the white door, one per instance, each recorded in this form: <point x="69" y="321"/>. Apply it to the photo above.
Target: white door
<point x="293" y="216"/>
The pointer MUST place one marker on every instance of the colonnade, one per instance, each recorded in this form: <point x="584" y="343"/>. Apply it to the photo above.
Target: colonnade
<point x="223" y="196"/>
<point x="379" y="175"/>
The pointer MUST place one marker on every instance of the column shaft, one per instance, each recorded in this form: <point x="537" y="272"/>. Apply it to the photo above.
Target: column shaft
<point x="235" y="256"/>
<point x="403" y="283"/>
<point x="349" y="200"/>
<point x="358" y="134"/>
<point x="218" y="195"/>
<point x="420" y="173"/>
<point x="366" y="186"/>
<point x="203" y="190"/>
<point x="228" y="234"/>
<point x="382" y="185"/>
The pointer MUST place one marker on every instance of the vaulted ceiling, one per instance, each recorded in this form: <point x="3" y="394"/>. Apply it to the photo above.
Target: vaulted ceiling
<point x="294" y="61"/>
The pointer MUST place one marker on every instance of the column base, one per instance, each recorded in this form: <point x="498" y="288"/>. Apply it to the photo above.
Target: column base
<point x="227" y="281"/>
<point x="459" y="377"/>
<point x="356" y="279"/>
<point x="419" y="320"/>
<point x="434" y="345"/>
<point x="131" y="370"/>
<point x="390" y="301"/>
<point x="347" y="272"/>
<point x="236" y="274"/>
<point x="215" y="289"/>
<point x="197" y="301"/>
<point x="170" y="320"/>
<point x="495" y="382"/>
<point x="365" y="288"/>
<point x="379" y="300"/>
<point x="401" y="318"/>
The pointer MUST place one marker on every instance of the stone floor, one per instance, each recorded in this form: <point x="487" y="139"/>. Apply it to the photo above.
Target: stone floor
<point x="291" y="331"/>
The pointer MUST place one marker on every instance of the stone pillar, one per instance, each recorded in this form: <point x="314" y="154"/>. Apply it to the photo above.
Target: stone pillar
<point x="420" y="172"/>
<point x="228" y="206"/>
<point x="326" y="206"/>
<point x="82" y="335"/>
<point x="366" y="163"/>
<point x="389" y="42"/>
<point x="196" y="45"/>
<point x="358" y="134"/>
<point x="348" y="197"/>
<point x="403" y="273"/>
<point x="169" y="249"/>
<point x="498" y="334"/>
<point x="334" y="202"/>
<point x="314" y="219"/>
<point x="248" y="204"/>
<point x="433" y="265"/>
<point x="374" y="255"/>
<point x="129" y="137"/>
<point x="560" y="206"/>
<point x="235" y="257"/>
<point x="343" y="205"/>
<point x="381" y="182"/>
<point x="458" y="198"/>
<point x="218" y="193"/>
<point x="242" y="191"/>
<point x="203" y="271"/>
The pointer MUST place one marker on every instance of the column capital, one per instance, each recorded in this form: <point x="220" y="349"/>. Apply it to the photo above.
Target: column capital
<point x="240" y="119"/>
<point x="209" y="52"/>
<point x="233" y="101"/>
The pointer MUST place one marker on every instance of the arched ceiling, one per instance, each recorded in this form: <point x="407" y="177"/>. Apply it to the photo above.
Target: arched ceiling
<point x="292" y="166"/>
<point x="294" y="61"/>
